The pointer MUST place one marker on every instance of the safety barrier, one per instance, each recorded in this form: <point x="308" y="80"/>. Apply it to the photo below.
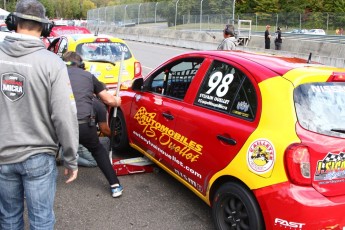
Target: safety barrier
<point x="322" y="52"/>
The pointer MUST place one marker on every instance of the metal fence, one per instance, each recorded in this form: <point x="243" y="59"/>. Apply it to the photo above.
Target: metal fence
<point x="201" y="18"/>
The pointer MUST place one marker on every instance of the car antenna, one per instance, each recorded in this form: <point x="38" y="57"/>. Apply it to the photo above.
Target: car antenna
<point x="309" y="58"/>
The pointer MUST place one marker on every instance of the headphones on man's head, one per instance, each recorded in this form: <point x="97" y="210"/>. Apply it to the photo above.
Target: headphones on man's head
<point x="12" y="22"/>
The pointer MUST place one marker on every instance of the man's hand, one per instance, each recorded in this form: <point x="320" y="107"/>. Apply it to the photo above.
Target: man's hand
<point x="118" y="101"/>
<point x="72" y="175"/>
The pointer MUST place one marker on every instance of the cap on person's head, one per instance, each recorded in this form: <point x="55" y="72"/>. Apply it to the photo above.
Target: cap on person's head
<point x="32" y="8"/>
<point x="278" y="28"/>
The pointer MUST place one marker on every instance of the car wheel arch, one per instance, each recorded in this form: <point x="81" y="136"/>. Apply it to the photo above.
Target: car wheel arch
<point x="221" y="200"/>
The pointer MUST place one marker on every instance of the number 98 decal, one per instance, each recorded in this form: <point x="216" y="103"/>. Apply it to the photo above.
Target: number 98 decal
<point x="217" y="89"/>
<point x="217" y="81"/>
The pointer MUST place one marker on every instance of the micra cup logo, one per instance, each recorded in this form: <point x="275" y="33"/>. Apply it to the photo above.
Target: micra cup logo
<point x="261" y="156"/>
<point x="12" y="86"/>
<point x="285" y="224"/>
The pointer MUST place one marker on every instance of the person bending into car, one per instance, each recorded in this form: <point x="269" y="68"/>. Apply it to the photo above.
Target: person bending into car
<point x="35" y="86"/>
<point x="84" y="86"/>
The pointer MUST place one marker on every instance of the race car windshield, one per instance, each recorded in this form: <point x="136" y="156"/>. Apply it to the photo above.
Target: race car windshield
<point x="320" y="107"/>
<point x="107" y="51"/>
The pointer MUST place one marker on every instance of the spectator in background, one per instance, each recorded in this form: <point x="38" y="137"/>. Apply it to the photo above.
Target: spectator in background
<point x="278" y="40"/>
<point x="267" y="37"/>
<point x="229" y="42"/>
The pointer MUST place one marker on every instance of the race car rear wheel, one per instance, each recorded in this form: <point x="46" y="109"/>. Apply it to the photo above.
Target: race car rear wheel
<point x="120" y="139"/>
<point x="234" y="207"/>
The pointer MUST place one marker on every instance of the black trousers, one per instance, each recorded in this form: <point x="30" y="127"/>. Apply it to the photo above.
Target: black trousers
<point x="88" y="137"/>
<point x="267" y="44"/>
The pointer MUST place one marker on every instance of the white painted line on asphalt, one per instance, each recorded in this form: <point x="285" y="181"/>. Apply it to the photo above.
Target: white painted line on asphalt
<point x="147" y="68"/>
<point x="163" y="46"/>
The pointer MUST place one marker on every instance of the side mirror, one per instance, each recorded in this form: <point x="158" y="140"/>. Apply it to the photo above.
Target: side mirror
<point x="138" y="84"/>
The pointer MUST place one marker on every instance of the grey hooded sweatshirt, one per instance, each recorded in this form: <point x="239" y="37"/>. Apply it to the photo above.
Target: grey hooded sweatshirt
<point x="36" y="102"/>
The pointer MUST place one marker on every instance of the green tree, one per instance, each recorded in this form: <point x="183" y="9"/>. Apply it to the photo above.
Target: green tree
<point x="267" y="6"/>
<point x="86" y="6"/>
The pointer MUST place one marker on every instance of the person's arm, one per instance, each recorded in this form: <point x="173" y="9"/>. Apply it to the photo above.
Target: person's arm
<point x="109" y="99"/>
<point x="64" y="116"/>
<point x="104" y="128"/>
<point x="103" y="94"/>
<point x="101" y="117"/>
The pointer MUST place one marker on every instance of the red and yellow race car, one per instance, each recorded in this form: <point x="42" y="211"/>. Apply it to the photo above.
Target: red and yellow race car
<point x="258" y="137"/>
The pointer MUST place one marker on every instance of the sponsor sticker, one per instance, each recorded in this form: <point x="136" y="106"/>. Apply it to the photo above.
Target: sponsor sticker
<point x="12" y="86"/>
<point x="261" y="156"/>
<point x="331" y="167"/>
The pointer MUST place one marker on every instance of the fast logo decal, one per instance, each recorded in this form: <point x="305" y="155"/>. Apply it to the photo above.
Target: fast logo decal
<point x="290" y="225"/>
<point x="12" y="86"/>
<point x="261" y="156"/>
<point x="188" y="149"/>
<point x="331" y="167"/>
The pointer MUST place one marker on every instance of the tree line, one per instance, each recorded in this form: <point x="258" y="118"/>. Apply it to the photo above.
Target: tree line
<point x="77" y="9"/>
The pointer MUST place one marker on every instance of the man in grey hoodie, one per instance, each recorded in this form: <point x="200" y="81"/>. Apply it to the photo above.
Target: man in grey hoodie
<point x="37" y="113"/>
<point x="229" y="42"/>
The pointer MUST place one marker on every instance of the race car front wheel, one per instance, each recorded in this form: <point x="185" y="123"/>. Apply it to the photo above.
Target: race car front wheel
<point x="234" y="207"/>
<point x="120" y="139"/>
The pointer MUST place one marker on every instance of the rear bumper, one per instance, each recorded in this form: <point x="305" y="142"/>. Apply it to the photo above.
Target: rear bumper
<point x="287" y="206"/>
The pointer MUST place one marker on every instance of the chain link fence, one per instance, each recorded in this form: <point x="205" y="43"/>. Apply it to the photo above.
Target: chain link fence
<point x="201" y="17"/>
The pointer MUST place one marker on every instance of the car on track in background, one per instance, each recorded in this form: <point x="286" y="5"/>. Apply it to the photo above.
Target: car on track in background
<point x="298" y="31"/>
<point x="102" y="56"/>
<point x="258" y="137"/>
<point x="316" y="31"/>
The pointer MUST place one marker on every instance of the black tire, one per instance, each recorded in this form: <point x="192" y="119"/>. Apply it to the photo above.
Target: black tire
<point x="234" y="207"/>
<point x="120" y="140"/>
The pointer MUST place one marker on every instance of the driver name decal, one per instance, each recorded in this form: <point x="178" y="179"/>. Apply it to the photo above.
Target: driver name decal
<point x="12" y="86"/>
<point x="261" y="156"/>
<point x="182" y="146"/>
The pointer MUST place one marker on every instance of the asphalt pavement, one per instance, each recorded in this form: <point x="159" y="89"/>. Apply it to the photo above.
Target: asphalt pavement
<point x="150" y="201"/>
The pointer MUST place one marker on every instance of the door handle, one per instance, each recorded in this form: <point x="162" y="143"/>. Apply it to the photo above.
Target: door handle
<point x="168" y="116"/>
<point x="227" y="140"/>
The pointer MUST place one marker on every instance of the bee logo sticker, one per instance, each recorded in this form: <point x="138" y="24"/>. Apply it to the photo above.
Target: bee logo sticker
<point x="261" y="156"/>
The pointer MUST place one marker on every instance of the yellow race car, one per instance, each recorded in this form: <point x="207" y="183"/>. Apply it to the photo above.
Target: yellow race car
<point x="101" y="55"/>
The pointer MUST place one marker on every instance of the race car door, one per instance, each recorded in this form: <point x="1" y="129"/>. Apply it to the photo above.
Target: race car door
<point x="216" y="123"/>
<point x="154" y="111"/>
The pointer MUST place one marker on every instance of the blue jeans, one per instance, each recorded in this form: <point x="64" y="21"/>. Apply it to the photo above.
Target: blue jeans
<point x="85" y="157"/>
<point x="35" y="179"/>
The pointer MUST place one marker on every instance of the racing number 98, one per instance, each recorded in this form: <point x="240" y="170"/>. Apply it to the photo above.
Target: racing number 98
<point x="217" y="81"/>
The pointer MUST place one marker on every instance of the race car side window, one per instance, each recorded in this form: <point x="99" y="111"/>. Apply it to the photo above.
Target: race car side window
<point x="227" y="90"/>
<point x="174" y="79"/>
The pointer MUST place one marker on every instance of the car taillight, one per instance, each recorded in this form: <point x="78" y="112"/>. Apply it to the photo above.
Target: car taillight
<point x="137" y="69"/>
<point x="297" y="164"/>
<point x="337" y="77"/>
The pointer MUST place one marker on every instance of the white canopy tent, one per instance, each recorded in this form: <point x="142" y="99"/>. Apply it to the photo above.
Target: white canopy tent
<point x="3" y="14"/>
